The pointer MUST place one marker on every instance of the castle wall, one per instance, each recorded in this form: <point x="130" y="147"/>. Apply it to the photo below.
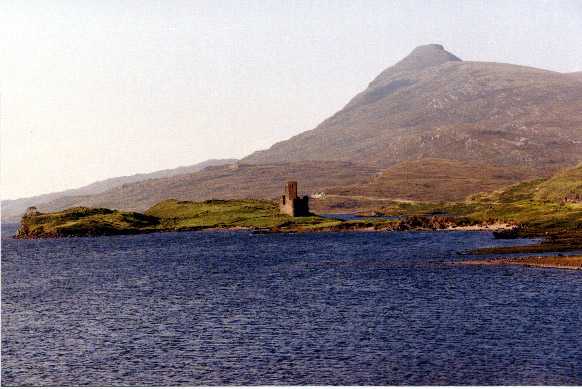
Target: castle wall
<point x="295" y="207"/>
<point x="291" y="190"/>
<point x="291" y="204"/>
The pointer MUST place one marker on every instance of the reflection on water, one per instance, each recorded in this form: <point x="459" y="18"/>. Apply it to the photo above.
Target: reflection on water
<point x="237" y="308"/>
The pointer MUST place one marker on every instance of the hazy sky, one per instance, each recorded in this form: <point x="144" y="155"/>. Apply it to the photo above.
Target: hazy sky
<point x="96" y="89"/>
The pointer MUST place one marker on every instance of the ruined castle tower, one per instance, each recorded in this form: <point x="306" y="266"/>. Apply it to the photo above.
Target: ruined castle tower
<point x="291" y="204"/>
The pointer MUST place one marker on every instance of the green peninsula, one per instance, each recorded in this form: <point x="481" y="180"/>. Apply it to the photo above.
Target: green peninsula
<point x="174" y="215"/>
<point x="549" y="208"/>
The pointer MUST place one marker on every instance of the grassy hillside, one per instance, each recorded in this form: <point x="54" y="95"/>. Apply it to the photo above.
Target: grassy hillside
<point x="545" y="205"/>
<point x="520" y="204"/>
<point x="565" y="186"/>
<point x="536" y="207"/>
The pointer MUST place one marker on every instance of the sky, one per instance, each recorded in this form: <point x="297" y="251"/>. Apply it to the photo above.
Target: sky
<point x="92" y="89"/>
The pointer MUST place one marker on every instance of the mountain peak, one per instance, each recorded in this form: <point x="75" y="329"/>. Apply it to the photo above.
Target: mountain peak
<point x="420" y="58"/>
<point x="425" y="56"/>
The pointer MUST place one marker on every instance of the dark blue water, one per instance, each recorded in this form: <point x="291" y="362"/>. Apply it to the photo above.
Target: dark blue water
<point x="235" y="308"/>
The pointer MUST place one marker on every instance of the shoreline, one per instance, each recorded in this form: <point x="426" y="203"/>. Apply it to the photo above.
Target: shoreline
<point x="342" y="227"/>
<point x="484" y="227"/>
<point x="573" y="262"/>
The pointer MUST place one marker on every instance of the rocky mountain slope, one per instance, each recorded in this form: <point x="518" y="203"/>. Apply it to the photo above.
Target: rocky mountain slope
<point x="13" y="209"/>
<point x="433" y="105"/>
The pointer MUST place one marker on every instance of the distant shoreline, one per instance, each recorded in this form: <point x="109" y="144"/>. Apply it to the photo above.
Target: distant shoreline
<point x="256" y="230"/>
<point x="337" y="228"/>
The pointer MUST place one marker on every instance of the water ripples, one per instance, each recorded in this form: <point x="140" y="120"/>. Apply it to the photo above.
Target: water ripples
<point x="327" y="309"/>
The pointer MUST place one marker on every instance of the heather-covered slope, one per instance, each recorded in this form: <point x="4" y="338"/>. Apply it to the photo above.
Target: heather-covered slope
<point x="432" y="105"/>
<point x="437" y="180"/>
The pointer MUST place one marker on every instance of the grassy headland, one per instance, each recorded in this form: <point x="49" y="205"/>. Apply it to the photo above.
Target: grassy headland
<point x="82" y="221"/>
<point x="174" y="215"/>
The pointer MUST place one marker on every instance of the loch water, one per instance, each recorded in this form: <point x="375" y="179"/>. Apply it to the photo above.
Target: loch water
<point x="236" y="308"/>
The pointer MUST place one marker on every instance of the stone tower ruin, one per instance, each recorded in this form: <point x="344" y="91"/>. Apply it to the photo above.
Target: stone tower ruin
<point x="291" y="204"/>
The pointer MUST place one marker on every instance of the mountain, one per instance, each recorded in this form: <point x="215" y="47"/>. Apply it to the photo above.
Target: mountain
<point x="433" y="105"/>
<point x="13" y="209"/>
<point x="577" y="75"/>
<point x="431" y="127"/>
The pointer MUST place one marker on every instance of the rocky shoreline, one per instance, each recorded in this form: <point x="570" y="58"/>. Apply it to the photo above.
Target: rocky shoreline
<point x="554" y="262"/>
